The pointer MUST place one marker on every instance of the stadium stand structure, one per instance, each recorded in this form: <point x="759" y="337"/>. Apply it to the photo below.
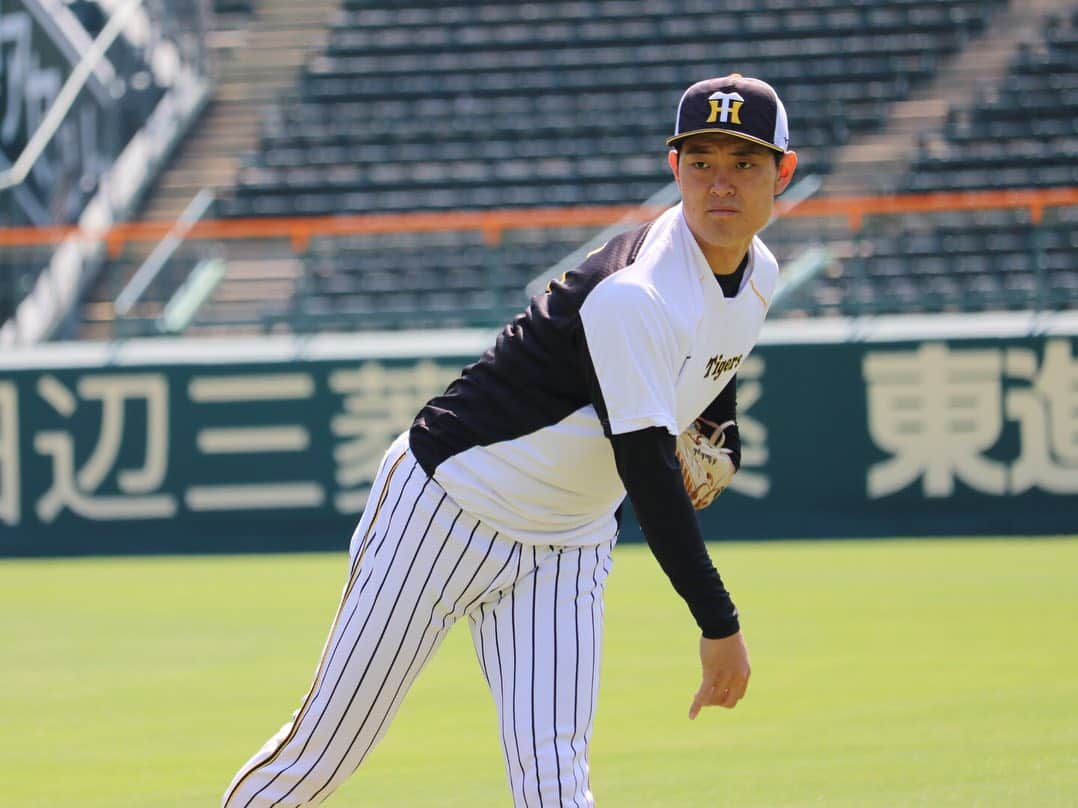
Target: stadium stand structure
<point x="80" y="152"/>
<point x="477" y="105"/>
<point x="1022" y="132"/>
<point x="1018" y="132"/>
<point x="257" y="48"/>
<point x="59" y="186"/>
<point x="482" y="105"/>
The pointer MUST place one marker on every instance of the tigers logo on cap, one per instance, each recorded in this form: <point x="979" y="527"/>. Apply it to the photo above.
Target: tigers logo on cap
<point x="745" y="107"/>
<point x="725" y="107"/>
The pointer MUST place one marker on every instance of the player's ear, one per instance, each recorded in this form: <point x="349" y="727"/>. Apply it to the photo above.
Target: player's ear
<point x="787" y="167"/>
<point x="672" y="158"/>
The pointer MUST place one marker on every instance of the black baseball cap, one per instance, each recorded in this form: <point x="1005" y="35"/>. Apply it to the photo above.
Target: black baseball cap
<point x="737" y="105"/>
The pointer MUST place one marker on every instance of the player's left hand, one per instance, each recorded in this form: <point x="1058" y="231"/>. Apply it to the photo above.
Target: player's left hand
<point x="726" y="670"/>
<point x="707" y="466"/>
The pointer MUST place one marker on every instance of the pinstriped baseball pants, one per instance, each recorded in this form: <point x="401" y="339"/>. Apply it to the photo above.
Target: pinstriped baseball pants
<point x="417" y="565"/>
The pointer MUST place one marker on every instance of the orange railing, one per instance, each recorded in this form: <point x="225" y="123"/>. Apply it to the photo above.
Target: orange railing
<point x="855" y="209"/>
<point x="492" y="223"/>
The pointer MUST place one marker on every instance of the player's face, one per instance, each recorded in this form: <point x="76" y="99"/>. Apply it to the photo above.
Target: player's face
<point x="728" y="188"/>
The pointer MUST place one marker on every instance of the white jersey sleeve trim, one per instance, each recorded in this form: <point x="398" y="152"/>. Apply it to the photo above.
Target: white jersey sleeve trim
<point x="622" y="425"/>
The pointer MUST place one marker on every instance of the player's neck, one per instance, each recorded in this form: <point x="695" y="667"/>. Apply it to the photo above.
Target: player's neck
<point x="726" y="261"/>
<point x="737" y="270"/>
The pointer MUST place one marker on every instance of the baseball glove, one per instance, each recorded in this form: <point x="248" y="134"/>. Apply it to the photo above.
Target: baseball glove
<point x="706" y="467"/>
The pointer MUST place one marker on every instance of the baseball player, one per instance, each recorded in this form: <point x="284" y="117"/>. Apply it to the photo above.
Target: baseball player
<point x="501" y="503"/>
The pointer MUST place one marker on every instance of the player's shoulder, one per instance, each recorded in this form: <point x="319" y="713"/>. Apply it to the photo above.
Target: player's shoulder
<point x="611" y="257"/>
<point x="565" y="295"/>
<point x="763" y="256"/>
<point x="642" y="295"/>
<point x="622" y="289"/>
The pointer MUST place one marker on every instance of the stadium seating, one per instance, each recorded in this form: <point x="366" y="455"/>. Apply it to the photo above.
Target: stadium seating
<point x="422" y="106"/>
<point x="491" y="104"/>
<point x="982" y="262"/>
<point x="566" y="98"/>
<point x="440" y="279"/>
<point x="1021" y="133"/>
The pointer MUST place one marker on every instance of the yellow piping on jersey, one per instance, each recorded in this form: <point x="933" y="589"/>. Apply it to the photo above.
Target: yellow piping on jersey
<point x="757" y="291"/>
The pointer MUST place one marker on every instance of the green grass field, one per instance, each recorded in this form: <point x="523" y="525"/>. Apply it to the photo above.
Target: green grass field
<point x="889" y="673"/>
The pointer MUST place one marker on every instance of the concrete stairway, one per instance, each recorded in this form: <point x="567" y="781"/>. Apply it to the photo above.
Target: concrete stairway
<point x="254" y="64"/>
<point x="256" y="58"/>
<point x="876" y="163"/>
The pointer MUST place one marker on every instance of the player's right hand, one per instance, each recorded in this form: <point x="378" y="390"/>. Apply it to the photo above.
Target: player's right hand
<point x="725" y="665"/>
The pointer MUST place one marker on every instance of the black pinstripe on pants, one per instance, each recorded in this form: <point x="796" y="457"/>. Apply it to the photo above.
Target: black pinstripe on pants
<point x="418" y="564"/>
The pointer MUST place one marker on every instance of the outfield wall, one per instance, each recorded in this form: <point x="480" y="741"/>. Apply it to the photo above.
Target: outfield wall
<point x="849" y="428"/>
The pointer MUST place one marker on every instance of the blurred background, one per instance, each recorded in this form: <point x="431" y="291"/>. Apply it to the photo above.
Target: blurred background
<point x="242" y="241"/>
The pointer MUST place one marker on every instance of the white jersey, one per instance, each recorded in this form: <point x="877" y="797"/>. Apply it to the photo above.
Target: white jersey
<point x="639" y="336"/>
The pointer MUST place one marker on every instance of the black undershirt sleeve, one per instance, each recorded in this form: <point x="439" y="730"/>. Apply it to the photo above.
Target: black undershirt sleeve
<point x="648" y="466"/>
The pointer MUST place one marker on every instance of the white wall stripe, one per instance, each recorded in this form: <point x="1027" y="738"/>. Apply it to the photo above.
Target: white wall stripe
<point x="245" y="439"/>
<point x="254" y="495"/>
<point x="268" y="387"/>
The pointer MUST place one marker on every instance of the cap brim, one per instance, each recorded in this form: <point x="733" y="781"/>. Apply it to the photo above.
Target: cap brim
<point x="679" y="137"/>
